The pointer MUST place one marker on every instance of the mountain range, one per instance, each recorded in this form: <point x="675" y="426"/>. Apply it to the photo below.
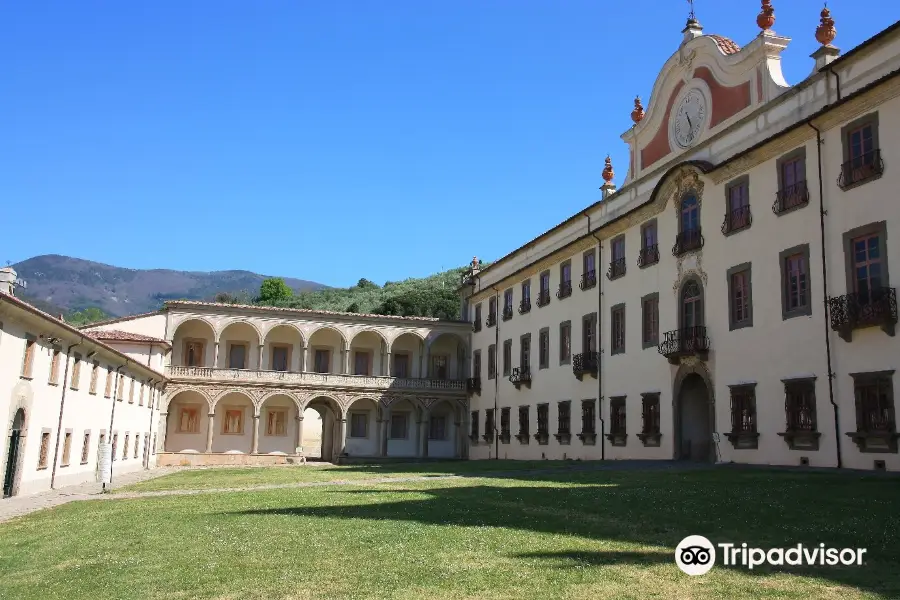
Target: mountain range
<point x="62" y="284"/>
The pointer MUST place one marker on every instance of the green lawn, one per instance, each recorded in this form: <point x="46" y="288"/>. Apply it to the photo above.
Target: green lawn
<point x="224" y="477"/>
<point x="564" y="534"/>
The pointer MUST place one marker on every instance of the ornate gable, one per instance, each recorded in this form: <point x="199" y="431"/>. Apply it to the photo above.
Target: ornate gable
<point x="707" y="84"/>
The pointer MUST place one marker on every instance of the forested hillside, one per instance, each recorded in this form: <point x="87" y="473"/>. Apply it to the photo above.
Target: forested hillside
<point x="432" y="296"/>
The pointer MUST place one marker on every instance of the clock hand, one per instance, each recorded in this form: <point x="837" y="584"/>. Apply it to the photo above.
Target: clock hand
<point x="691" y="125"/>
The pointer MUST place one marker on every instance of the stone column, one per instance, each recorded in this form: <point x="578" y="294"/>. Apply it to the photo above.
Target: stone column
<point x="457" y="440"/>
<point x="305" y="366"/>
<point x="260" y="366"/>
<point x="347" y="353"/>
<point x="342" y="442"/>
<point x="209" y="432"/>
<point x="255" y="446"/>
<point x="426" y="419"/>
<point x="386" y="364"/>
<point x="417" y="437"/>
<point x="386" y="428"/>
<point x="299" y="436"/>
<point x="216" y="357"/>
<point x="162" y="430"/>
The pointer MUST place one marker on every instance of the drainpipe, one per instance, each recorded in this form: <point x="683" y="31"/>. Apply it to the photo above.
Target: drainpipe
<point x="112" y="414"/>
<point x="599" y="340"/>
<point x="496" y="364"/>
<point x="62" y="404"/>
<point x="150" y="430"/>
<point x="831" y="374"/>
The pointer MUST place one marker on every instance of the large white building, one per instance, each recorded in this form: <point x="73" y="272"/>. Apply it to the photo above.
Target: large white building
<point x="64" y="392"/>
<point x="260" y="385"/>
<point x="732" y="300"/>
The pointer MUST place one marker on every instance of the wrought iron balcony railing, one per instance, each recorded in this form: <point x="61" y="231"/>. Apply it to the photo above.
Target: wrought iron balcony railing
<point x="565" y="290"/>
<point x="861" y="169"/>
<point x="543" y="298"/>
<point x="525" y="306"/>
<point x="877" y="307"/>
<point x="648" y="255"/>
<point x="791" y="197"/>
<point x="687" y="240"/>
<point x="521" y="376"/>
<point x="616" y="269"/>
<point x="586" y="363"/>
<point x="507" y="312"/>
<point x="491" y="320"/>
<point x="473" y="385"/>
<point x="588" y="280"/>
<point x="688" y="341"/>
<point x="737" y="219"/>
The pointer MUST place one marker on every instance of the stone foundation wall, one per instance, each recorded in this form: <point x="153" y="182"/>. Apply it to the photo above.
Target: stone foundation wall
<point x="192" y="459"/>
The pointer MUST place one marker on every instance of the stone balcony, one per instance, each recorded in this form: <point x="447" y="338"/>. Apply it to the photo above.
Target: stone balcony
<point x="313" y="380"/>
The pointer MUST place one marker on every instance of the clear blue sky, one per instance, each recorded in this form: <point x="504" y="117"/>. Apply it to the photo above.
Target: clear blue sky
<point x="337" y="139"/>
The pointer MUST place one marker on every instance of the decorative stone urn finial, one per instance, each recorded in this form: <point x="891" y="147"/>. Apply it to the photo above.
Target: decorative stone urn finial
<point x="825" y="32"/>
<point x="766" y="17"/>
<point x="608" y="172"/>
<point x="475" y="262"/>
<point x="638" y="113"/>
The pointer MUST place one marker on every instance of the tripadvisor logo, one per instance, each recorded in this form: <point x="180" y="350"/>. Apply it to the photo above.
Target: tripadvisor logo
<point x="696" y="555"/>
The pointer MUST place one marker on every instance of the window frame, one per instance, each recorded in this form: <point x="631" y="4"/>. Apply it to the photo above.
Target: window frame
<point x="365" y="420"/>
<point x="567" y="358"/>
<point x="878" y="228"/>
<point x="742" y="182"/>
<point x="507" y="357"/>
<point x="492" y="361"/>
<point x="649" y="341"/>
<point x="804" y="311"/>
<point x="405" y="415"/>
<point x="544" y="348"/>
<point x="613" y="312"/>
<point x="742" y="268"/>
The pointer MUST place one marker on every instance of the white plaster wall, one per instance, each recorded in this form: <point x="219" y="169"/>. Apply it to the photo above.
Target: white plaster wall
<point x="870" y="349"/>
<point x="82" y="412"/>
<point x="186" y="442"/>
<point x="368" y="445"/>
<point x="153" y="325"/>
<point x="278" y="444"/>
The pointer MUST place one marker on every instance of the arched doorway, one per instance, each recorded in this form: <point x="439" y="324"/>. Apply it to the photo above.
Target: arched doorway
<point x="12" y="453"/>
<point x="694" y="416"/>
<point x="326" y="445"/>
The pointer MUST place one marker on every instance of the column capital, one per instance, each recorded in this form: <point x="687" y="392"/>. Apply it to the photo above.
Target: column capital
<point x="256" y="416"/>
<point x="211" y="415"/>
<point x="300" y="418"/>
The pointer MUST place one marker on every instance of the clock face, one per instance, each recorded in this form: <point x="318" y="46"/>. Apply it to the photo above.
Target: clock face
<point x="689" y="118"/>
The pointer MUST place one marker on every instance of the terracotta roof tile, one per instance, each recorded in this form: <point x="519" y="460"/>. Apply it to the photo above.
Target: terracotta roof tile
<point x="123" y="336"/>
<point x="727" y="46"/>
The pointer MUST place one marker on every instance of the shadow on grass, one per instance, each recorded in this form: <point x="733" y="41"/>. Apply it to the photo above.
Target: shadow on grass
<point x="765" y="509"/>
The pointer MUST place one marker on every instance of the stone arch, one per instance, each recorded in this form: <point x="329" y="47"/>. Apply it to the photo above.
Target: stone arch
<point x="188" y="318"/>
<point x="18" y="417"/>
<point x="276" y="324"/>
<point x="334" y="328"/>
<point x="172" y="392"/>
<point x="222" y="393"/>
<point x="240" y="321"/>
<point x="331" y="411"/>
<point x="458" y="358"/>
<point x="680" y="178"/>
<point x="695" y="370"/>
<point x="178" y="438"/>
<point x="376" y="331"/>
<point x="297" y="401"/>
<point x="190" y="332"/>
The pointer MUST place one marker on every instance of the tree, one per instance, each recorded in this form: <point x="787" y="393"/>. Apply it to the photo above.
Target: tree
<point x="365" y="283"/>
<point x="86" y="316"/>
<point x="274" y="291"/>
<point x="353" y="308"/>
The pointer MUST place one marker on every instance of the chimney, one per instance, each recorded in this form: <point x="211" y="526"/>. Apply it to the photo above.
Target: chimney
<point x="7" y="280"/>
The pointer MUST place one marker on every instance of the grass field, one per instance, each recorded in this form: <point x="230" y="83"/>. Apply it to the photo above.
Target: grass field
<point x="554" y="534"/>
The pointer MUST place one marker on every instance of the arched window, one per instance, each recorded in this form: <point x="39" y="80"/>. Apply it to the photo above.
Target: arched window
<point x="691" y="305"/>
<point x="690" y="214"/>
